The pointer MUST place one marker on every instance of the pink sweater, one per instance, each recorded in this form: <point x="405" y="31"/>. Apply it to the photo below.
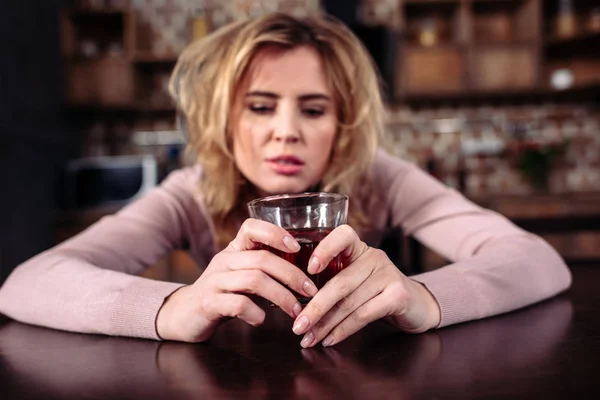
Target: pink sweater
<point x="89" y="283"/>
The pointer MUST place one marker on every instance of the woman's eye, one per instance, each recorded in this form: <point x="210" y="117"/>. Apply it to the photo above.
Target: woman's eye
<point x="260" y="108"/>
<point x="313" y="112"/>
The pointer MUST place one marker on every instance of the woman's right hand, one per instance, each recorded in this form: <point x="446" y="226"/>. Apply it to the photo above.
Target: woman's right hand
<point x="192" y="313"/>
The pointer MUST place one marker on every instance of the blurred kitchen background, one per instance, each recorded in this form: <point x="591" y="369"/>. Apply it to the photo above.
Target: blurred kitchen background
<point x="496" y="98"/>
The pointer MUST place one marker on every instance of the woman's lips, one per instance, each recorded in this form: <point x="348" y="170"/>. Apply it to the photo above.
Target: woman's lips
<point x="286" y="165"/>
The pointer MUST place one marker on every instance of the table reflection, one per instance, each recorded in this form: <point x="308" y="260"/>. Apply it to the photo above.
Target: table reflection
<point x="267" y="362"/>
<point x="488" y="353"/>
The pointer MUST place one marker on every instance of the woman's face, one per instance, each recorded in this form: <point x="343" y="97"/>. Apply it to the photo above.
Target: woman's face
<point x="284" y="121"/>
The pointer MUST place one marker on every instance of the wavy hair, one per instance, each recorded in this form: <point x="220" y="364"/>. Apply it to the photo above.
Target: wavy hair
<point x="204" y="85"/>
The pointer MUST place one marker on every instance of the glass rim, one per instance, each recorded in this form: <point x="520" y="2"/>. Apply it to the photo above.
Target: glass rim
<point x="292" y="196"/>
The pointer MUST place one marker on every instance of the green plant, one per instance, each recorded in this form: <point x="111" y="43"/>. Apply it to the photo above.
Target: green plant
<point x="535" y="161"/>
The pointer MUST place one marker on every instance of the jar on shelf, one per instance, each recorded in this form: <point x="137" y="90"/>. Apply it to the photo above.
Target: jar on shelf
<point x="200" y="23"/>
<point x="566" y="19"/>
<point x="593" y="24"/>
<point x="428" y="33"/>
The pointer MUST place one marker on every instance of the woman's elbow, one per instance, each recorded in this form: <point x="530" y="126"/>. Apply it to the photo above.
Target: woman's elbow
<point x="557" y="273"/>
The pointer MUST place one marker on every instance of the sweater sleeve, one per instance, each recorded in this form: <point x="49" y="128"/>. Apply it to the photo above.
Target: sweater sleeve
<point x="88" y="284"/>
<point x="495" y="266"/>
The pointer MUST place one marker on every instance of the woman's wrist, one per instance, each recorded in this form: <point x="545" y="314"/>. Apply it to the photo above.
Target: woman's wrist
<point x="431" y="306"/>
<point x="165" y="317"/>
<point x="422" y="312"/>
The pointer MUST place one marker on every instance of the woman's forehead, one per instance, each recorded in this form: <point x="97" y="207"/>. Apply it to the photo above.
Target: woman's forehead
<point x="296" y="69"/>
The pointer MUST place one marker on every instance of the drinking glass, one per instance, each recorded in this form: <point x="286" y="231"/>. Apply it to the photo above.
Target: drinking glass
<point x="308" y="217"/>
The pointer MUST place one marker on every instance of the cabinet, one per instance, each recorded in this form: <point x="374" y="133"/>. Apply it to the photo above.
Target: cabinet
<point x="115" y="84"/>
<point x="97" y="45"/>
<point x="108" y="64"/>
<point x="464" y="47"/>
<point x="473" y="50"/>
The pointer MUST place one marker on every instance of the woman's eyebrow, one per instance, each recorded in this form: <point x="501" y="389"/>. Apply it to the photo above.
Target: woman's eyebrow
<point x="314" y="96"/>
<point x="263" y="94"/>
<point x="304" y="97"/>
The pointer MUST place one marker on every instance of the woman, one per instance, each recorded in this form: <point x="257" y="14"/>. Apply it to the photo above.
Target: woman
<point x="283" y="105"/>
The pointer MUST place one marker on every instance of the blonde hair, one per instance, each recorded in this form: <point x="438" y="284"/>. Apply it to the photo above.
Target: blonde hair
<point x="209" y="73"/>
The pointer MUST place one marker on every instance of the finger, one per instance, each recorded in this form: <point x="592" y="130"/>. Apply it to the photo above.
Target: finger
<point x="254" y="232"/>
<point x="340" y="286"/>
<point x="239" y="306"/>
<point x="259" y="283"/>
<point x="275" y="266"/>
<point x="372" y="310"/>
<point x="342" y="309"/>
<point x="342" y="240"/>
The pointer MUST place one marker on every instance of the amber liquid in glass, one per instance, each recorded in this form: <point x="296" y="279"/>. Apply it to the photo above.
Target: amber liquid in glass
<point x="309" y="239"/>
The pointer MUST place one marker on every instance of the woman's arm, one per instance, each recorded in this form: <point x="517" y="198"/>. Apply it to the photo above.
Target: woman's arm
<point x="496" y="266"/>
<point x="88" y="283"/>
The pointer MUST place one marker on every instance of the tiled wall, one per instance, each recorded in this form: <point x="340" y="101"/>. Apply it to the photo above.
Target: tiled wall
<point x="484" y="136"/>
<point x="167" y="22"/>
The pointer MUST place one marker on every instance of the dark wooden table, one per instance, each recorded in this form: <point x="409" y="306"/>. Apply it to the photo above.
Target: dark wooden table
<point x="550" y="350"/>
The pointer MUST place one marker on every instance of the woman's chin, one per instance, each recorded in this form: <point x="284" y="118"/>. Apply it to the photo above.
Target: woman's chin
<point x="272" y="190"/>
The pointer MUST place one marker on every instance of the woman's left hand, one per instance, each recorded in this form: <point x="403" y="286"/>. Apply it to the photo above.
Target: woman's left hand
<point x="370" y="287"/>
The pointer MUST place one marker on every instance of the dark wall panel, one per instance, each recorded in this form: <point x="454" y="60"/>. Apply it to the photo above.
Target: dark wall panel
<point x="33" y="134"/>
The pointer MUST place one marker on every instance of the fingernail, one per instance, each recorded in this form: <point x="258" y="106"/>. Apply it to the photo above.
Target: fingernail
<point x="296" y="310"/>
<point x="291" y="243"/>
<point x="328" y="341"/>
<point x="301" y="325"/>
<point x="310" y="288"/>
<point x="307" y="340"/>
<point x="314" y="265"/>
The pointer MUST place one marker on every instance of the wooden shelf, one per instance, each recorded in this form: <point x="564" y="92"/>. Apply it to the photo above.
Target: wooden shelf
<point x="510" y="44"/>
<point x="586" y="40"/>
<point x="545" y="92"/>
<point x="147" y="57"/>
<point x="137" y="58"/>
<point x="430" y="2"/>
<point x="498" y="2"/>
<point x="100" y="12"/>
<point x="167" y="107"/>
<point x="139" y="107"/>
<point x="590" y="88"/>
<point x="415" y="46"/>
<point x="79" y="58"/>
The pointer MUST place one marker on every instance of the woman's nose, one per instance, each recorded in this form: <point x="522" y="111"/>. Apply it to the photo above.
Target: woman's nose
<point x="287" y="128"/>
